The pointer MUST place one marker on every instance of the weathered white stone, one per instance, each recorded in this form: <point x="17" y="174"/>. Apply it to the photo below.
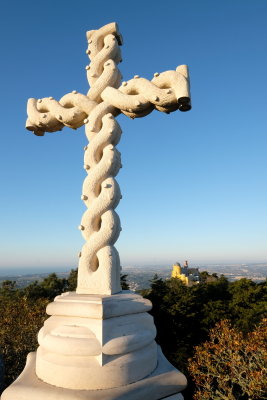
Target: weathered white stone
<point x="99" y="262"/>
<point x="111" y="347"/>
<point x="98" y="306"/>
<point x="85" y="373"/>
<point x="128" y="333"/>
<point x="164" y="381"/>
<point x="73" y="343"/>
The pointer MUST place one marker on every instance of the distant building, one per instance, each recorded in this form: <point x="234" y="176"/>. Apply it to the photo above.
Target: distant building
<point x="189" y="276"/>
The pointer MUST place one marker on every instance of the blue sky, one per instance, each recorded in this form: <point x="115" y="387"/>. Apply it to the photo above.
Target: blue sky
<point x="193" y="184"/>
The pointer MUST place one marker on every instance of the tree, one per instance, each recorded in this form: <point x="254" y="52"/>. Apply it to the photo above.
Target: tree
<point x="184" y="315"/>
<point x="204" y="275"/>
<point x="248" y="303"/>
<point x="213" y="298"/>
<point x="230" y="365"/>
<point x="21" y="319"/>
<point x="8" y="285"/>
<point x="48" y="288"/>
<point x="124" y="282"/>
<point x="175" y="312"/>
<point x="72" y="280"/>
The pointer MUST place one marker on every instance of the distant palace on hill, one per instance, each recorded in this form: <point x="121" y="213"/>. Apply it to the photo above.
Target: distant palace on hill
<point x="189" y="276"/>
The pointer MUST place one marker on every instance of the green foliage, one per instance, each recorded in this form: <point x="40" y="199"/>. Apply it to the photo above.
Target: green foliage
<point x="8" y="285"/>
<point x="21" y="319"/>
<point x="248" y="303"/>
<point x="207" y="277"/>
<point x="184" y="315"/>
<point x="48" y="288"/>
<point x="124" y="283"/>
<point x="22" y="316"/>
<point x="72" y="280"/>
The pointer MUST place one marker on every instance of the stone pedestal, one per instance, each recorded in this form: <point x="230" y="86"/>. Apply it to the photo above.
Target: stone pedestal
<point x="97" y="347"/>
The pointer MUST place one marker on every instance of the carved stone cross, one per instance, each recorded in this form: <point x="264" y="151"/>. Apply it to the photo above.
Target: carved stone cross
<point x="99" y="263"/>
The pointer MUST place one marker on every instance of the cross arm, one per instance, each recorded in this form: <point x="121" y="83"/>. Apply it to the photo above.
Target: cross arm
<point x="166" y="92"/>
<point x="138" y="97"/>
<point x="50" y="115"/>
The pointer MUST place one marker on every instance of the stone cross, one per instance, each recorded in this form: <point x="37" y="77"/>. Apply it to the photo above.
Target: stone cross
<point x="99" y="263"/>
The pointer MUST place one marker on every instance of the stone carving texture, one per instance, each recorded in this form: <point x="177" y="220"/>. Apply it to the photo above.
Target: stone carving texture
<point x="99" y="263"/>
<point x="111" y="345"/>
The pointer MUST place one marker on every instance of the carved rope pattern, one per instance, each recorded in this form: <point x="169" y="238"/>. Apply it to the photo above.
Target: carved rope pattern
<point x="136" y="98"/>
<point x="99" y="263"/>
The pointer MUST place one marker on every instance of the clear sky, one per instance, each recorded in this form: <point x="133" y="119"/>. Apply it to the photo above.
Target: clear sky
<point x="193" y="184"/>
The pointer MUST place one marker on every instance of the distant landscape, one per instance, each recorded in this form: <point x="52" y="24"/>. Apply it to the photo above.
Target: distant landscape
<point x="139" y="276"/>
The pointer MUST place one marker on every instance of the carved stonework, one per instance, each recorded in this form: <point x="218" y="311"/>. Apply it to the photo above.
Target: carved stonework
<point x="99" y="262"/>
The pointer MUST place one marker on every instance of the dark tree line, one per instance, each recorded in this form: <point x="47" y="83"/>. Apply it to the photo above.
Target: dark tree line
<point x="184" y="316"/>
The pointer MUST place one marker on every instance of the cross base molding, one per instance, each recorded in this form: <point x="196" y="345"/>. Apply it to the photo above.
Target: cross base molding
<point x="97" y="347"/>
<point x="165" y="382"/>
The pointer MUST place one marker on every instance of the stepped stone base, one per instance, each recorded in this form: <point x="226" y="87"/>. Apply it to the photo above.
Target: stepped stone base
<point x="97" y="347"/>
<point x="95" y="342"/>
<point x="165" y="382"/>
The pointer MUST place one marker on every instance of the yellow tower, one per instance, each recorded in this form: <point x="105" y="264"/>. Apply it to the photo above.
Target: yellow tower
<point x="176" y="270"/>
<point x="177" y="273"/>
